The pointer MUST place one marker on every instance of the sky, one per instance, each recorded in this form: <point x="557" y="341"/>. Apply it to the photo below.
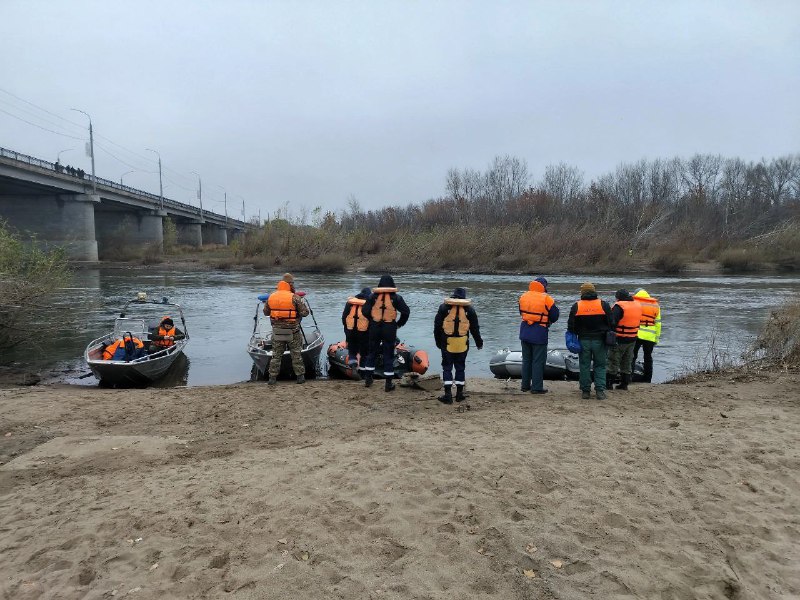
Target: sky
<point x="305" y="104"/>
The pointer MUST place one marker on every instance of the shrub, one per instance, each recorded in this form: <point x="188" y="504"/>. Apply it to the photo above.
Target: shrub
<point x="668" y="263"/>
<point x="29" y="276"/>
<point x="740" y="260"/>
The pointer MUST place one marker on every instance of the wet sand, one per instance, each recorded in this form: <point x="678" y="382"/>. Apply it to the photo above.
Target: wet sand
<point x="329" y="490"/>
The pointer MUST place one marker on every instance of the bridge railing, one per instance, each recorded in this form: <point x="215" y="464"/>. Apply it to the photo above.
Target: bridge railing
<point x="43" y="164"/>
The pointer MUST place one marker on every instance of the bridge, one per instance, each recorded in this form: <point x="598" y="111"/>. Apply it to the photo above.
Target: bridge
<point x="66" y="209"/>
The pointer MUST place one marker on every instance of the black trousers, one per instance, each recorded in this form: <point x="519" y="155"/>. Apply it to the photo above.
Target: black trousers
<point x="382" y="334"/>
<point x="452" y="361"/>
<point x="648" y="357"/>
<point x="357" y="347"/>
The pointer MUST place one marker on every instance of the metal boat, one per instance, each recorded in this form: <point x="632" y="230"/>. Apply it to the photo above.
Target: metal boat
<point x="155" y="362"/>
<point x="260" y="347"/>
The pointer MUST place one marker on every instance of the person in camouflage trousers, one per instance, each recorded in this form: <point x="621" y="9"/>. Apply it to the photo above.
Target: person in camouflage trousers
<point x="285" y="309"/>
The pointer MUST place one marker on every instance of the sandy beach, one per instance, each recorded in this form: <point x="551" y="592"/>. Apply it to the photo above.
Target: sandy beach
<point x="330" y="490"/>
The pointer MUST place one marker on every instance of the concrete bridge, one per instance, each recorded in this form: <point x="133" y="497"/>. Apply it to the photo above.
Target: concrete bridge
<point x="61" y="209"/>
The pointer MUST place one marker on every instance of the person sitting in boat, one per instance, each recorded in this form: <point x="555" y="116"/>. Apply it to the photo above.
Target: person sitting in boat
<point x="455" y="320"/>
<point x="356" y="331"/>
<point x="285" y="309"/>
<point x="382" y="309"/>
<point x="165" y="334"/>
<point x="126" y="348"/>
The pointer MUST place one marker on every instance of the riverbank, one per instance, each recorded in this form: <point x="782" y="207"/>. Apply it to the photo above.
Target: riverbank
<point x="329" y="490"/>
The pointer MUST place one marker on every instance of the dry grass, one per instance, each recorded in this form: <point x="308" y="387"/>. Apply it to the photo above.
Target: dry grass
<point x="780" y="340"/>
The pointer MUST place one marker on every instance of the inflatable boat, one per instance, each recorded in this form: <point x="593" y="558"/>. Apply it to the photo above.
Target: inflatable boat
<point x="407" y="359"/>
<point x="561" y="364"/>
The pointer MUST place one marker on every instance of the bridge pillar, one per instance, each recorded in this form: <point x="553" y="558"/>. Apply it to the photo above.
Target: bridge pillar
<point x="235" y="235"/>
<point x="129" y="229"/>
<point x="190" y="233"/>
<point x="215" y="234"/>
<point x="64" y="220"/>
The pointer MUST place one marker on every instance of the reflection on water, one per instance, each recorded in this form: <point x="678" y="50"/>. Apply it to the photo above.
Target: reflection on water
<point x="219" y="308"/>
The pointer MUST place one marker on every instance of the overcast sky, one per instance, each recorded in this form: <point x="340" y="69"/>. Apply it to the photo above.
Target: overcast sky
<point x="312" y="102"/>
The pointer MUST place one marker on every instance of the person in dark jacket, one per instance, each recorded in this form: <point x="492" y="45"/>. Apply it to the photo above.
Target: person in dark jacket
<point x="627" y="314"/>
<point x="590" y="319"/>
<point x="455" y="320"/>
<point x="538" y="312"/>
<point x="387" y="312"/>
<point x="356" y="330"/>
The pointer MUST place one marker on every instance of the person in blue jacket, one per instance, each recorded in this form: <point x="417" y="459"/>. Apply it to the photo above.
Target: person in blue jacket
<point x="538" y="311"/>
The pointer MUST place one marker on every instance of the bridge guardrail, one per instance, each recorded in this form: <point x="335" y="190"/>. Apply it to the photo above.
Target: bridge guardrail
<point x="43" y="164"/>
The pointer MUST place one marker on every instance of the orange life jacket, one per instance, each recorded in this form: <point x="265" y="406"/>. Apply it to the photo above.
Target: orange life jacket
<point x="356" y="320"/>
<point x="162" y="343"/>
<point x="590" y="307"/>
<point x="535" y="307"/>
<point x="383" y="311"/>
<point x="281" y="304"/>
<point x="108" y="353"/>
<point x="456" y="322"/>
<point x="650" y="310"/>
<point x="628" y="326"/>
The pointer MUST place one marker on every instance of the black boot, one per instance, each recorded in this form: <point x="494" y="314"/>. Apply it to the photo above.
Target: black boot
<point x="626" y="379"/>
<point x="610" y="378"/>
<point x="389" y="384"/>
<point x="367" y="378"/>
<point x="448" y="395"/>
<point x="460" y="397"/>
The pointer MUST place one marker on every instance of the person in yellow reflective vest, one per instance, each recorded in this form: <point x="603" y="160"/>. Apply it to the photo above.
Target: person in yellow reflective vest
<point x="455" y="320"/>
<point x="649" y="330"/>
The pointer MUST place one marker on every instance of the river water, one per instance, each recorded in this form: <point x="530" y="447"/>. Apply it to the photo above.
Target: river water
<point x="726" y="312"/>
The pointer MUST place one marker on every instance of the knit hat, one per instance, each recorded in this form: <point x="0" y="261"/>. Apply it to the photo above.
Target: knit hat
<point x="587" y="288"/>
<point x="459" y="293"/>
<point x="543" y="281"/>
<point x="623" y="294"/>
<point x="288" y="278"/>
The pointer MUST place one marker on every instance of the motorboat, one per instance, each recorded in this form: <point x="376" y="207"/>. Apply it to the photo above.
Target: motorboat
<point x="260" y="347"/>
<point x="407" y="359"/>
<point x="138" y="319"/>
<point x="508" y="364"/>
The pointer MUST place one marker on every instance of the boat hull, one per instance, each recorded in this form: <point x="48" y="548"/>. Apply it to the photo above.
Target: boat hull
<point x="136" y="373"/>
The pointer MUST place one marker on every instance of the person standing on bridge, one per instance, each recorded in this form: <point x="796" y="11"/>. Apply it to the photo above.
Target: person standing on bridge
<point x="382" y="309"/>
<point x="285" y="309"/>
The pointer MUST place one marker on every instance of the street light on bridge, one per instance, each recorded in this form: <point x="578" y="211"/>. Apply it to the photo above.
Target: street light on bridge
<point x="199" y="193"/>
<point x="160" y="182"/>
<point x="225" y="201"/>
<point x="60" y="152"/>
<point x="91" y="148"/>
<point x="126" y="173"/>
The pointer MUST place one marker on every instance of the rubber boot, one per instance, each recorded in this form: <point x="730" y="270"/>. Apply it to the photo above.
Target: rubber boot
<point x="460" y="397"/>
<point x="301" y="379"/>
<point x="610" y="377"/>
<point x="389" y="385"/>
<point x="367" y="378"/>
<point x="626" y="379"/>
<point x="448" y="395"/>
<point x="272" y="381"/>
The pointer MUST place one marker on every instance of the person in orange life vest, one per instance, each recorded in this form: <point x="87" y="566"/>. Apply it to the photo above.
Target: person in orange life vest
<point x="626" y="314"/>
<point x="387" y="312"/>
<point x="285" y="309"/>
<point x="356" y="330"/>
<point x="538" y="312"/>
<point x="649" y="330"/>
<point x="126" y="348"/>
<point x="165" y="334"/>
<point x="590" y="319"/>
<point x="454" y="321"/>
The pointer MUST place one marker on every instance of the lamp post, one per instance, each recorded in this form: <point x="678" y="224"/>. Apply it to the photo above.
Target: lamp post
<point x="160" y="182"/>
<point x="199" y="193"/>
<point x="225" y="201"/>
<point x="238" y="196"/>
<point x="60" y="152"/>
<point x="126" y="173"/>
<point x="91" y="148"/>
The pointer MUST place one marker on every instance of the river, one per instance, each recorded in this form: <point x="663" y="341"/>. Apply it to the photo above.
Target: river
<point x="219" y="308"/>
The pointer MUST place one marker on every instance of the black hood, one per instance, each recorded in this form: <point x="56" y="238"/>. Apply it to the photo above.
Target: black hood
<point x="386" y="282"/>
<point x="364" y="293"/>
<point x="589" y="296"/>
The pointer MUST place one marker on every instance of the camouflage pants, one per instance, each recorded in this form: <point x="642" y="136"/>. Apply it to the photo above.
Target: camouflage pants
<point x="295" y="347"/>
